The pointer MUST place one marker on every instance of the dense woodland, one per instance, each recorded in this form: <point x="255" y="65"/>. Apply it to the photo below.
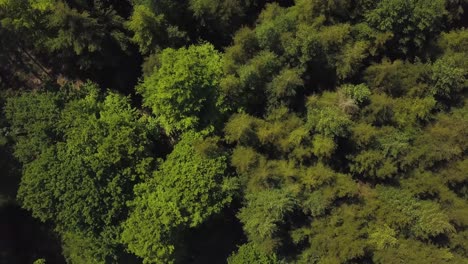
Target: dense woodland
<point x="233" y="131"/>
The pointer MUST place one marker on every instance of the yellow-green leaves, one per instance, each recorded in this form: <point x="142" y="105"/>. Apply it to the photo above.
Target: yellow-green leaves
<point x="263" y="212"/>
<point x="147" y="27"/>
<point x="383" y="237"/>
<point x="43" y="5"/>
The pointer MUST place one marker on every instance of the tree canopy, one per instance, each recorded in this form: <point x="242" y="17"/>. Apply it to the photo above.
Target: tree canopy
<point x="182" y="90"/>
<point x="236" y="131"/>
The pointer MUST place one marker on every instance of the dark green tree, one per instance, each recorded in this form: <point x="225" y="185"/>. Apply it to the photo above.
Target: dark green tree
<point x="84" y="165"/>
<point x="411" y="23"/>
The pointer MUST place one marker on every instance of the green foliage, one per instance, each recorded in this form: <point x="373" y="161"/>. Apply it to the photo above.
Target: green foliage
<point x="33" y="118"/>
<point x="448" y="78"/>
<point x="455" y="41"/>
<point x="263" y="212"/>
<point x="164" y="208"/>
<point x="274" y="20"/>
<point x="152" y="30"/>
<point x="23" y="17"/>
<point x="223" y="13"/>
<point x="46" y="40"/>
<point x="347" y="243"/>
<point x="284" y="87"/>
<point x="87" y="248"/>
<point x="411" y="23"/>
<point x="370" y="163"/>
<point x="328" y="121"/>
<point x="88" y="33"/>
<point x="441" y="141"/>
<point x="397" y="78"/>
<point x="223" y="9"/>
<point x="250" y="254"/>
<point x="71" y="36"/>
<point x="323" y="146"/>
<point x="182" y="92"/>
<point x="241" y="128"/>
<point x="420" y="218"/>
<point x="416" y="252"/>
<point x="192" y="20"/>
<point x="146" y="26"/>
<point x="359" y="93"/>
<point x="244" y="90"/>
<point x="322" y="131"/>
<point x="383" y="237"/>
<point x="82" y="177"/>
<point x="40" y="261"/>
<point x="299" y="50"/>
<point x="9" y="166"/>
<point x="352" y="59"/>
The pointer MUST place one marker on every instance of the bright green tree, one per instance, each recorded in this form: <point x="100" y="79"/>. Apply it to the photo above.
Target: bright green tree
<point x="183" y="90"/>
<point x="188" y="188"/>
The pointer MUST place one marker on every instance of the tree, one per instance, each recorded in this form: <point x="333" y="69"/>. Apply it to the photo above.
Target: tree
<point x="412" y="23"/>
<point x="82" y="179"/>
<point x="263" y="213"/>
<point x="217" y="20"/>
<point x="188" y="188"/>
<point x="74" y="39"/>
<point x="322" y="131"/>
<point x="8" y="164"/>
<point x="23" y="26"/>
<point x="182" y="91"/>
<point x="33" y="118"/>
<point x="358" y="93"/>
<point x="397" y="78"/>
<point x="329" y="121"/>
<point x="250" y="254"/>
<point x="40" y="261"/>
<point x="245" y="90"/>
<point x="151" y="31"/>
<point x="448" y="78"/>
